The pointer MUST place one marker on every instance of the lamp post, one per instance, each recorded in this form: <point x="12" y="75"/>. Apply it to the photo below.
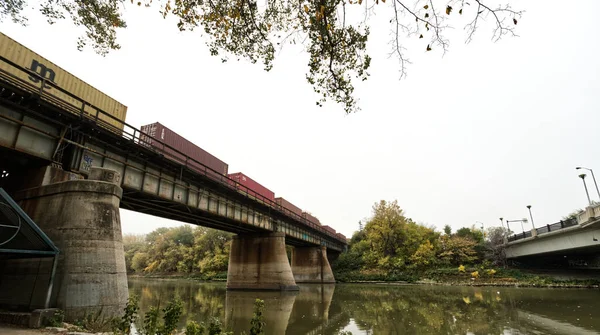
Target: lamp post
<point x="507" y="226"/>
<point x="507" y="231"/>
<point x="522" y="220"/>
<point x="582" y="176"/>
<point x="593" y="177"/>
<point x="482" y="229"/>
<point x="531" y="216"/>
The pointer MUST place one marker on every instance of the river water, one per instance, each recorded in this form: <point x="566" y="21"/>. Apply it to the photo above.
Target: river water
<point x="384" y="309"/>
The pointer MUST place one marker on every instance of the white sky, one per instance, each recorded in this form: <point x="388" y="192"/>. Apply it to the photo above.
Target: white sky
<point x="474" y="135"/>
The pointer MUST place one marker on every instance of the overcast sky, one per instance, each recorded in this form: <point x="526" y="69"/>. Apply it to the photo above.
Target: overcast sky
<point x="474" y="135"/>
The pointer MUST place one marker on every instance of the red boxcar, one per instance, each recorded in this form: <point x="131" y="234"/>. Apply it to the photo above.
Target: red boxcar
<point x="288" y="205"/>
<point x="311" y="218"/>
<point x="253" y="185"/>
<point x="329" y="229"/>
<point x="157" y="131"/>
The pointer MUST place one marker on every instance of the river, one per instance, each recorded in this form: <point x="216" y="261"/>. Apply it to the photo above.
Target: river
<point x="383" y="308"/>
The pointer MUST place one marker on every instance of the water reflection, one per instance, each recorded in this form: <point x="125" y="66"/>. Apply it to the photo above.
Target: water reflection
<point x="240" y="304"/>
<point x="385" y="309"/>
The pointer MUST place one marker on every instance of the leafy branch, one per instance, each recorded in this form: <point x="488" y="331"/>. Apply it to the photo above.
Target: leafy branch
<point x="245" y="29"/>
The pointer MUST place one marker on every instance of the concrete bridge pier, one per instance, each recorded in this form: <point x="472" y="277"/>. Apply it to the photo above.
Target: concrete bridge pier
<point x="310" y="265"/>
<point x="82" y="218"/>
<point x="259" y="262"/>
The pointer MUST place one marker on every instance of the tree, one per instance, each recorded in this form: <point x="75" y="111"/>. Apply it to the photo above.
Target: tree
<point x="574" y="214"/>
<point x="471" y="233"/>
<point x="139" y="261"/>
<point x="495" y="247"/>
<point x="448" y="230"/>
<point x="333" y="32"/>
<point x="385" y="230"/>
<point x="457" y="250"/>
<point x="424" y="256"/>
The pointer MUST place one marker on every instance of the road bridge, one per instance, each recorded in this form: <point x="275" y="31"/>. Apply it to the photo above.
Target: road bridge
<point x="71" y="171"/>
<point x="573" y="243"/>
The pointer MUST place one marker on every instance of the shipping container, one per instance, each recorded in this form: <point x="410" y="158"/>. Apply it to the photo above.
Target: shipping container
<point x="311" y="218"/>
<point x="157" y="133"/>
<point x="329" y="229"/>
<point x="244" y="180"/>
<point x="281" y="202"/>
<point x="31" y="61"/>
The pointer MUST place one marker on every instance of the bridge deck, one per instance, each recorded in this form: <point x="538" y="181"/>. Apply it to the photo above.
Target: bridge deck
<point x="35" y="123"/>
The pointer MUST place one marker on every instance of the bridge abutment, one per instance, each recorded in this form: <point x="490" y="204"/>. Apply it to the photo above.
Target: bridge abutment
<point x="82" y="218"/>
<point x="310" y="265"/>
<point x="259" y="262"/>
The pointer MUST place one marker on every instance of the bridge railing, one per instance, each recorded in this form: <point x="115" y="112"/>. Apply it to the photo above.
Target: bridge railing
<point x="91" y="113"/>
<point x="545" y="229"/>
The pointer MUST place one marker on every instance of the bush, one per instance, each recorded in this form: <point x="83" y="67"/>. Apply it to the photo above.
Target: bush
<point x="257" y="323"/>
<point x="123" y="326"/>
<point x="194" y="328"/>
<point x="55" y="320"/>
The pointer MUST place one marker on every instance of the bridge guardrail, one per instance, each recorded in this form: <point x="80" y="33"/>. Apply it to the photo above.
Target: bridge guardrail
<point x="545" y="229"/>
<point x="133" y="134"/>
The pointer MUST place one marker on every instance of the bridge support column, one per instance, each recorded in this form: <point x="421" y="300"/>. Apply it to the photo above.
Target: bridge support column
<point x="259" y="262"/>
<point x="310" y="265"/>
<point x="82" y="218"/>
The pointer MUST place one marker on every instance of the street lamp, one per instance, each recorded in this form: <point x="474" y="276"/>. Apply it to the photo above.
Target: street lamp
<point x="507" y="231"/>
<point x="582" y="176"/>
<point x="507" y="226"/>
<point x="593" y="177"/>
<point x="531" y="216"/>
<point x="522" y="220"/>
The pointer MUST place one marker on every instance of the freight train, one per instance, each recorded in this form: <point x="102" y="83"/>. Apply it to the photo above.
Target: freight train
<point x="156" y="135"/>
<point x="25" y="67"/>
<point x="19" y="64"/>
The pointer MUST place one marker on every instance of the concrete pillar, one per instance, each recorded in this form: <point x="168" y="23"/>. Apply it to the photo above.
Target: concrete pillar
<point x="310" y="265"/>
<point x="533" y="232"/>
<point x="82" y="218"/>
<point x="259" y="262"/>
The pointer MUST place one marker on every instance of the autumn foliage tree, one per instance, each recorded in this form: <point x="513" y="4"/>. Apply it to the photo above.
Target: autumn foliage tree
<point x="333" y="32"/>
<point x="392" y="243"/>
<point x="181" y="250"/>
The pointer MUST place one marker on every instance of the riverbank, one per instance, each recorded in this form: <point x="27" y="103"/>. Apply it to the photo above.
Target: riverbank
<point x="441" y="277"/>
<point x="471" y="277"/>
<point x="217" y="278"/>
<point x="479" y="284"/>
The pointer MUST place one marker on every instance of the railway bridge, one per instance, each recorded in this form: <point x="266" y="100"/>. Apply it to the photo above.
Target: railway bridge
<point x="70" y="166"/>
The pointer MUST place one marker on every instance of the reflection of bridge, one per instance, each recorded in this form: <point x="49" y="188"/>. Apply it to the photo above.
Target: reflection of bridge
<point x="71" y="171"/>
<point x="572" y="243"/>
<point x="306" y="312"/>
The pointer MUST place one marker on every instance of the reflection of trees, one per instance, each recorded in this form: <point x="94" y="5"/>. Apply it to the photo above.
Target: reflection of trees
<point x="381" y="309"/>
<point x="424" y="310"/>
<point x="201" y="301"/>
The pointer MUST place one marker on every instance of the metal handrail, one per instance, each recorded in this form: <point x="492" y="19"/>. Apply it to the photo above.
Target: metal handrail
<point x="545" y="229"/>
<point x="137" y="135"/>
